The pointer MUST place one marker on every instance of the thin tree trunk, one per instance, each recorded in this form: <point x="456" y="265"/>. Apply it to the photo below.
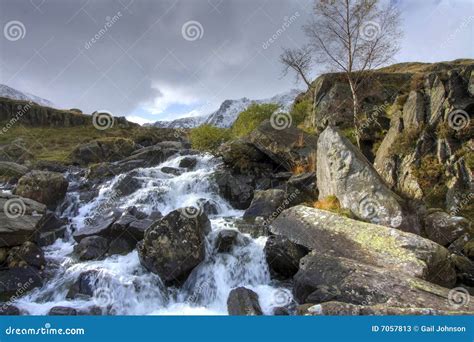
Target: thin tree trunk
<point x="355" y="105"/>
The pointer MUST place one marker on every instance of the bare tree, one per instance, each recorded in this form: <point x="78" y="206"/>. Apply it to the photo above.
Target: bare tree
<point x="354" y="36"/>
<point x="298" y="60"/>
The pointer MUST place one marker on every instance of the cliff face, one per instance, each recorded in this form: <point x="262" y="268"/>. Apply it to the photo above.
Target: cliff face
<point x="416" y="127"/>
<point x="31" y="114"/>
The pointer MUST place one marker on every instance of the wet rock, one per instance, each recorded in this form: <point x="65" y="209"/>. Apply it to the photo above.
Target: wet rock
<point x="102" y="228"/>
<point x="84" y="285"/>
<point x="243" y="302"/>
<point x="468" y="249"/>
<point x="464" y="269"/>
<point x="281" y="311"/>
<point x="171" y="170"/>
<point x="343" y="171"/>
<point x="91" y="248"/>
<point x="121" y="246"/>
<point x="283" y="256"/>
<point x="188" y="163"/>
<point x="324" y="278"/>
<point x="49" y="229"/>
<point x="226" y="238"/>
<point x="135" y="212"/>
<point x="9" y="310"/>
<point x="209" y="207"/>
<point x="444" y="228"/>
<point x="137" y="228"/>
<point x="335" y="308"/>
<point x="237" y="189"/>
<point x="174" y="245"/>
<point x="62" y="311"/>
<point x="18" y="281"/>
<point x="43" y="186"/>
<point x="19" y="218"/>
<point x="377" y="245"/>
<point x="266" y="203"/>
<point x="254" y="229"/>
<point x="28" y="254"/>
<point x="127" y="185"/>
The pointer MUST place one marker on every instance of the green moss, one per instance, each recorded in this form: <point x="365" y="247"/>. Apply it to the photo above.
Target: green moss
<point x="250" y="118"/>
<point x="301" y="111"/>
<point x="208" y="138"/>
<point x="351" y="134"/>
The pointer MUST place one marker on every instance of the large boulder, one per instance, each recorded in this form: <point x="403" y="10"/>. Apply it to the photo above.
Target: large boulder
<point x="91" y="248"/>
<point x="325" y="232"/>
<point x="243" y="302"/>
<point x="15" y="282"/>
<point x="288" y="147"/>
<point x="103" y="150"/>
<point x="175" y="245"/>
<point x="28" y="254"/>
<point x="324" y="278"/>
<point x="283" y="256"/>
<point x="265" y="203"/>
<point x="18" y="219"/>
<point x="235" y="188"/>
<point x="343" y="171"/>
<point x="43" y="186"/>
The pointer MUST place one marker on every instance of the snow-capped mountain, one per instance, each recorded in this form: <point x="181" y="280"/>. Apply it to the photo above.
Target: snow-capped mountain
<point x="188" y="122"/>
<point x="229" y="110"/>
<point x="6" y="91"/>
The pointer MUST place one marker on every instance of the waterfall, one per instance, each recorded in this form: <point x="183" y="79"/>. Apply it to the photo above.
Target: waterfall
<point x="124" y="287"/>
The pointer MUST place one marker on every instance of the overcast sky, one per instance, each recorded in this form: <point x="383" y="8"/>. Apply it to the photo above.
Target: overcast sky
<point x="163" y="59"/>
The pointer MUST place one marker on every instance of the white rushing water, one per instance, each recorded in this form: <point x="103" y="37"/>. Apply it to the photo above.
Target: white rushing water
<point x="125" y="287"/>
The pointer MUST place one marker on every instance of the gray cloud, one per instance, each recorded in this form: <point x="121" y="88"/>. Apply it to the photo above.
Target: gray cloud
<point x="140" y="64"/>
